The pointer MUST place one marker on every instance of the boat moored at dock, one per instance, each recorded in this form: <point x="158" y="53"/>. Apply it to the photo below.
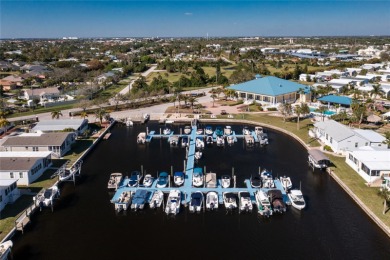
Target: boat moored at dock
<point x="141" y="138"/>
<point x="225" y="181"/>
<point x="276" y="199"/>
<point x="123" y="201"/>
<point x="230" y="200"/>
<point x="173" y="202"/>
<point x="245" y="203"/>
<point x="157" y="199"/>
<point x="178" y="178"/>
<point x="197" y="177"/>
<point x="187" y="130"/>
<point x="296" y="198"/>
<point x="5" y="249"/>
<point x="208" y="130"/>
<point x="135" y="178"/>
<point x="162" y="180"/>
<point x="196" y="201"/>
<point x="139" y="199"/>
<point x="211" y="200"/>
<point x="148" y="180"/>
<point x="286" y="182"/>
<point x="263" y="204"/>
<point x="115" y="180"/>
<point x="47" y="197"/>
<point x="318" y="159"/>
<point x="227" y="130"/>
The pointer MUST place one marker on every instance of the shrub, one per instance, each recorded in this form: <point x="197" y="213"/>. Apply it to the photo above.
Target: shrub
<point x="327" y="148"/>
<point x="272" y="109"/>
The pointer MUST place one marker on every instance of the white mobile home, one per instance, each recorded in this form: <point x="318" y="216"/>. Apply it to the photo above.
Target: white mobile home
<point x="9" y="192"/>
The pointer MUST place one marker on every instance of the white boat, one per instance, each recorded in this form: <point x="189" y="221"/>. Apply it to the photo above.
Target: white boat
<point x="245" y="203"/>
<point x="255" y="181"/>
<point x="267" y="179"/>
<point x="209" y="139"/>
<point x="296" y="198"/>
<point x="47" y="197"/>
<point x="196" y="201"/>
<point x="167" y="131"/>
<point x="208" y="130"/>
<point x="246" y="131"/>
<point x="157" y="199"/>
<point x="115" y="180"/>
<point x="286" y="182"/>
<point x="211" y="200"/>
<point x="148" y="180"/>
<point x="123" y="202"/>
<point x="199" y="131"/>
<point x="5" y="249"/>
<point x="162" y="180"/>
<point x="174" y="140"/>
<point x="199" y="143"/>
<point x="225" y="181"/>
<point x="220" y="141"/>
<point x="229" y="200"/>
<point x="263" y="204"/>
<point x="141" y="138"/>
<point x="146" y="117"/>
<point x="173" y="202"/>
<point x="198" y="155"/>
<point x="249" y="139"/>
<point x="263" y="138"/>
<point x="230" y="139"/>
<point x="197" y="177"/>
<point x="178" y="178"/>
<point x="129" y="122"/>
<point x="187" y="130"/>
<point x="258" y="130"/>
<point x="227" y="130"/>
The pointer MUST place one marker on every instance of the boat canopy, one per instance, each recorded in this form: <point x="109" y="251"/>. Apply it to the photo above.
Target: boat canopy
<point x="275" y="194"/>
<point x="198" y="171"/>
<point x="318" y="156"/>
<point x="211" y="180"/>
<point x="245" y="194"/>
<point x="163" y="174"/>
<point x="178" y="174"/>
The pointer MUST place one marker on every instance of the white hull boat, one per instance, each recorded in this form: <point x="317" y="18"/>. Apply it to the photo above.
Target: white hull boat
<point x="157" y="199"/>
<point x="296" y="199"/>
<point x="115" y="180"/>
<point x="174" y="140"/>
<point x="225" y="181"/>
<point x="148" y="180"/>
<point x="245" y="203"/>
<point x="286" y="182"/>
<point x="123" y="201"/>
<point x="211" y="200"/>
<point x="47" y="197"/>
<point x="229" y="200"/>
<point x="197" y="177"/>
<point x="167" y="131"/>
<point x="187" y="130"/>
<point x="198" y="155"/>
<point x="178" y="178"/>
<point x="263" y="204"/>
<point x="141" y="138"/>
<point x="227" y="130"/>
<point x="129" y="122"/>
<point x="208" y="130"/>
<point x="66" y="174"/>
<point x="220" y="141"/>
<point x="230" y="140"/>
<point x="199" y="143"/>
<point x="5" y="249"/>
<point x="173" y="202"/>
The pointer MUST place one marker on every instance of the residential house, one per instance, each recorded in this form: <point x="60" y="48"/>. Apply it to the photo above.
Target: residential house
<point x="78" y="125"/>
<point x="59" y="143"/>
<point x="369" y="162"/>
<point x="9" y="192"/>
<point x="341" y="138"/>
<point x="43" y="94"/>
<point x="24" y="167"/>
<point x="272" y="91"/>
<point x="11" y="82"/>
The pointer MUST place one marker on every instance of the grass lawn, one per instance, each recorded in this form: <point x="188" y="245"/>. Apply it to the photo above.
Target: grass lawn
<point x="42" y="110"/>
<point x="77" y="149"/>
<point x="369" y="196"/>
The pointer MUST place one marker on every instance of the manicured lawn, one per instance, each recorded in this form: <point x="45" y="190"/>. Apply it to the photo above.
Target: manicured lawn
<point x="77" y="149"/>
<point x="42" y="110"/>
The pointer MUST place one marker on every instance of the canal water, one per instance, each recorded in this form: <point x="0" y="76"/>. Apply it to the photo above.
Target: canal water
<point x="84" y="224"/>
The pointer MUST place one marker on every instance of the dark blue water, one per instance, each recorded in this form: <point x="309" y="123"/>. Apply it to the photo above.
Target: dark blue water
<point x="84" y="224"/>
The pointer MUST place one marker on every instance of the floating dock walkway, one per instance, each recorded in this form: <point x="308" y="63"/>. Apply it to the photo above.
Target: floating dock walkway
<point x="187" y="187"/>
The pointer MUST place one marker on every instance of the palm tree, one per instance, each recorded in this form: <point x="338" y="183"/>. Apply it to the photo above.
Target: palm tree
<point x="56" y="114"/>
<point x="301" y="109"/>
<point x="387" y="136"/>
<point x="3" y="124"/>
<point x="213" y="96"/>
<point x="376" y="91"/>
<point x="83" y="114"/>
<point x="385" y="194"/>
<point x="285" y="109"/>
<point x="100" y="113"/>
<point x="322" y="110"/>
<point x="192" y="100"/>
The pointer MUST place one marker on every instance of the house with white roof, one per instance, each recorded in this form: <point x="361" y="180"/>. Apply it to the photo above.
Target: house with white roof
<point x="341" y="138"/>
<point x="24" y="167"/>
<point x="9" y="192"/>
<point x="369" y="162"/>
<point x="78" y="125"/>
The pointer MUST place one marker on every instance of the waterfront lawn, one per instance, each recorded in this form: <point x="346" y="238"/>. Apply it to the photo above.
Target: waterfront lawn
<point x="369" y="196"/>
<point x="11" y="212"/>
<point x="77" y="149"/>
<point x="45" y="181"/>
<point x="42" y="110"/>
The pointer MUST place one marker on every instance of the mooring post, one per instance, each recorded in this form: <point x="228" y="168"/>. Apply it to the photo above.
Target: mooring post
<point x="172" y="170"/>
<point x="142" y="169"/>
<point x="147" y="130"/>
<point x="204" y="170"/>
<point x="259" y="170"/>
<point x="184" y="165"/>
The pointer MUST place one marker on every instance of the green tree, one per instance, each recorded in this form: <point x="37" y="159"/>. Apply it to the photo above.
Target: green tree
<point x="83" y="114"/>
<point x="286" y="110"/>
<point x="56" y="114"/>
<point x="4" y="123"/>
<point x="387" y="136"/>
<point x="100" y="113"/>
<point x="213" y="96"/>
<point x="322" y="109"/>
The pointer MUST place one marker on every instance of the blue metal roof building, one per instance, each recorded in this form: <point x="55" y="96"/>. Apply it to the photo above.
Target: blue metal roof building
<point x="342" y="100"/>
<point x="270" y="90"/>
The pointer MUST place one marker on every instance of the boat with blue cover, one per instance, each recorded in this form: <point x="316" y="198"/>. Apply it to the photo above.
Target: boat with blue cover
<point x="135" y="178"/>
<point x="218" y="131"/>
<point x="196" y="201"/>
<point x="178" y="178"/>
<point x="162" y="180"/>
<point x="139" y="199"/>
<point x="208" y="130"/>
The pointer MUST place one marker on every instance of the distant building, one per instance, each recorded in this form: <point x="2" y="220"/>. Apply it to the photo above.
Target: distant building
<point x="9" y="192"/>
<point x="370" y="163"/>
<point x="11" y="82"/>
<point x="58" y="143"/>
<point x="23" y="167"/>
<point x="42" y="94"/>
<point x="272" y="90"/>
<point x="78" y="125"/>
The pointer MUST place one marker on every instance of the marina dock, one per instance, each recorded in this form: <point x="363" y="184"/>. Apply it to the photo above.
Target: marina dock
<point x="187" y="187"/>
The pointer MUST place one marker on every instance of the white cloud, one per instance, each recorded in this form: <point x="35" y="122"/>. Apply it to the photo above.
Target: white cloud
<point x="187" y="13"/>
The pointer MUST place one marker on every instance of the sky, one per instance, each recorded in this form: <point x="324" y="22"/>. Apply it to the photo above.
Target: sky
<point x="185" y="18"/>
